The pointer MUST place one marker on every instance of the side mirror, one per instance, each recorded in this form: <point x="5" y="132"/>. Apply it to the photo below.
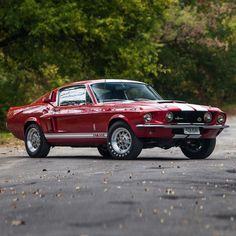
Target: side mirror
<point x="46" y="100"/>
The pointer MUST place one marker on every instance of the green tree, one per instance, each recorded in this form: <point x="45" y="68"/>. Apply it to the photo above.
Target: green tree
<point x="185" y="48"/>
<point x="200" y="52"/>
<point x="46" y="43"/>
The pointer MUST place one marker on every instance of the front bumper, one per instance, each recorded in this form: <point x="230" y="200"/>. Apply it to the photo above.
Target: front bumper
<point x="176" y="131"/>
<point x="182" y="125"/>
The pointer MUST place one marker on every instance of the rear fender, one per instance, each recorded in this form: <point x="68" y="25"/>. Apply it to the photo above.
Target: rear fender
<point x="31" y="120"/>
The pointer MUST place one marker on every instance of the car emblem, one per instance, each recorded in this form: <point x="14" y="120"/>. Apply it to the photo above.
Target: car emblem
<point x="199" y="119"/>
<point x="179" y="118"/>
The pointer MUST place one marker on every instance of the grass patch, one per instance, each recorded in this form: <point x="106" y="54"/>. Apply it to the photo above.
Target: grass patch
<point x="7" y="138"/>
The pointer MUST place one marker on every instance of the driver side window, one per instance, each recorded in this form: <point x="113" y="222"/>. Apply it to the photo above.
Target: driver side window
<point x="74" y="96"/>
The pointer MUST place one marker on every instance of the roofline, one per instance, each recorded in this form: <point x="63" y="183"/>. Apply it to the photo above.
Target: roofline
<point x="103" y="81"/>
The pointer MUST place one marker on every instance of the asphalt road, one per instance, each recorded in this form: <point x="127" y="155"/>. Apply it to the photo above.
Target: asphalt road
<point x="76" y="192"/>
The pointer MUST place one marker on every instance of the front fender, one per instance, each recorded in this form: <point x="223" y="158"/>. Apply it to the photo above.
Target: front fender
<point x="132" y="119"/>
<point x="118" y="117"/>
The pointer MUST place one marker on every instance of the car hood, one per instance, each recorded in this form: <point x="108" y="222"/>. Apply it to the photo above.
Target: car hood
<point x="161" y="105"/>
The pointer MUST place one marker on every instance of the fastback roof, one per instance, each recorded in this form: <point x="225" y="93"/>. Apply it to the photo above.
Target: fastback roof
<point x="104" y="80"/>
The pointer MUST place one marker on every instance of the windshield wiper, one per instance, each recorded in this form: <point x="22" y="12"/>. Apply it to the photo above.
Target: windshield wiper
<point x="142" y="99"/>
<point x="170" y="101"/>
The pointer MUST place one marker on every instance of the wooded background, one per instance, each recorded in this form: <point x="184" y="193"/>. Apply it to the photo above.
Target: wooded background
<point x="185" y="48"/>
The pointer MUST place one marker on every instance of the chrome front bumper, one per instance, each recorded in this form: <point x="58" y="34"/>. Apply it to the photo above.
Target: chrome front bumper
<point x="182" y="125"/>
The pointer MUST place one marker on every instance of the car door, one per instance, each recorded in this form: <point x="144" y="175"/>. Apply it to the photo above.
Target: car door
<point x="70" y="117"/>
<point x="72" y="113"/>
<point x="73" y="118"/>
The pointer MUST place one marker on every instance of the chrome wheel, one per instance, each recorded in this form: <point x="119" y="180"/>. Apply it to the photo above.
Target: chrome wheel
<point x="33" y="140"/>
<point x="121" y="140"/>
<point x="122" y="143"/>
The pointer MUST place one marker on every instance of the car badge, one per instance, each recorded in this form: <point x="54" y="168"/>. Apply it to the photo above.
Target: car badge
<point x="179" y="118"/>
<point x="199" y="119"/>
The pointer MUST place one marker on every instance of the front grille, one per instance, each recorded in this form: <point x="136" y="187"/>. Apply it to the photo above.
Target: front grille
<point x="189" y="116"/>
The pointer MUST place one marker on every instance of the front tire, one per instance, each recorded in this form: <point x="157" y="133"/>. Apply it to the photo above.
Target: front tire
<point x="199" y="148"/>
<point x="122" y="142"/>
<point x="35" y="143"/>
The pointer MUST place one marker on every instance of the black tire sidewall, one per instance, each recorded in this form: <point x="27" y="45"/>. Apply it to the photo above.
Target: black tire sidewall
<point x="206" y="150"/>
<point x="136" y="145"/>
<point x="44" y="148"/>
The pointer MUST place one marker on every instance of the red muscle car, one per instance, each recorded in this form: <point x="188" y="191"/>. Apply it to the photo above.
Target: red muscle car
<point x="119" y="117"/>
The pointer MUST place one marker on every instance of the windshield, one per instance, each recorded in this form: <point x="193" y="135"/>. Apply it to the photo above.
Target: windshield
<point x="115" y="91"/>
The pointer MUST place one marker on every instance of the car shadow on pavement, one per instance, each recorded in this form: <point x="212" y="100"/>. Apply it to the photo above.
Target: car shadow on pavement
<point x="100" y="158"/>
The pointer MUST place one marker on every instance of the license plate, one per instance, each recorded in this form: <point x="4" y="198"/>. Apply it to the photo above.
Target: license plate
<point x="191" y="130"/>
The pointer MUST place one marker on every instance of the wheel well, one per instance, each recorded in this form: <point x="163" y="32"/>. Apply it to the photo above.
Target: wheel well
<point x="28" y="124"/>
<point x="115" y="120"/>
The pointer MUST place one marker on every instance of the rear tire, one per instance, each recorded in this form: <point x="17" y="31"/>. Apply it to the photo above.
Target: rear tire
<point x="199" y="148"/>
<point x="35" y="142"/>
<point x="102" y="149"/>
<point x="122" y="142"/>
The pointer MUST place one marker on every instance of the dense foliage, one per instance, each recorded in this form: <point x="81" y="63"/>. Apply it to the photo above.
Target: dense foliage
<point x="200" y="51"/>
<point x="185" y="48"/>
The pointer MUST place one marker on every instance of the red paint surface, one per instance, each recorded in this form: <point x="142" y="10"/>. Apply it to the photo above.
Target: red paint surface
<point x="93" y="118"/>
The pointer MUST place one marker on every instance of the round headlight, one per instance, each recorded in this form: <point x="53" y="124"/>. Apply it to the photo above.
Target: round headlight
<point x="169" y="116"/>
<point x="221" y="118"/>
<point x="147" y="117"/>
<point x="207" y="117"/>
